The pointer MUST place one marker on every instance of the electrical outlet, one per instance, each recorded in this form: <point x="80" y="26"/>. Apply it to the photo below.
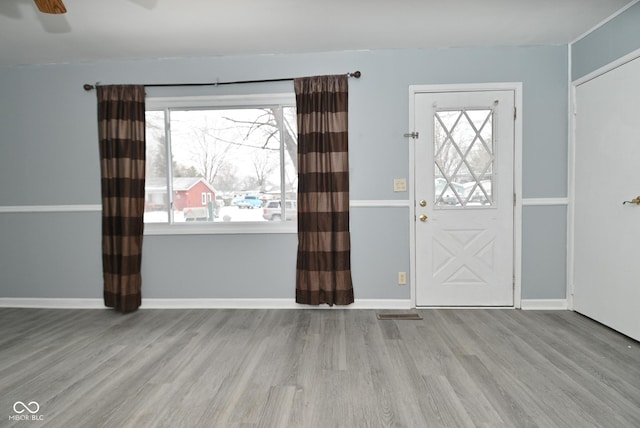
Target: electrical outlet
<point x="402" y="278"/>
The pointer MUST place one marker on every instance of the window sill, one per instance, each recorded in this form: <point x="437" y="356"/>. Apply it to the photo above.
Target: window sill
<point x="237" y="228"/>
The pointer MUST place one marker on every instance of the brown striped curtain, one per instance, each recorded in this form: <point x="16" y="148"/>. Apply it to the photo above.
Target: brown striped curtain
<point x="121" y="132"/>
<point x="323" y="270"/>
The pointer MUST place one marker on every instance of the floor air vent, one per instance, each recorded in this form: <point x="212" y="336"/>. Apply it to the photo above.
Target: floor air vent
<point x="389" y="316"/>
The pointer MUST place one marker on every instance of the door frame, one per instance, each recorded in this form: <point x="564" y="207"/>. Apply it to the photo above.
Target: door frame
<point x="516" y="87"/>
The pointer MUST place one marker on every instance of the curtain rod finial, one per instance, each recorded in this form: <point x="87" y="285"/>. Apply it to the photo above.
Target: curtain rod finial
<point x="355" y="74"/>
<point x="88" y="87"/>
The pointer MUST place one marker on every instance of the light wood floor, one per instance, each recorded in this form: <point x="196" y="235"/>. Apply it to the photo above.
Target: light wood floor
<point x="316" y="368"/>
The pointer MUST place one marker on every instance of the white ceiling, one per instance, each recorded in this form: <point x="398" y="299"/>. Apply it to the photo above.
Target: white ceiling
<point x="118" y="29"/>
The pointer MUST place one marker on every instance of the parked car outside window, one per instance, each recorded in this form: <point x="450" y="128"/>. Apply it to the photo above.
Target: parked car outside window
<point x="272" y="210"/>
<point x="249" y="201"/>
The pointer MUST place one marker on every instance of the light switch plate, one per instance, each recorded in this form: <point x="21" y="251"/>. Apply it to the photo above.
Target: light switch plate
<point x="399" y="184"/>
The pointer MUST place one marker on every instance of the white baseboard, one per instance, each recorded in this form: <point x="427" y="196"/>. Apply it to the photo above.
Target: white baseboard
<point x="545" y="304"/>
<point x="267" y="304"/>
<point x="52" y="303"/>
<point x="6" y="302"/>
<point x="51" y="208"/>
<point x="55" y="303"/>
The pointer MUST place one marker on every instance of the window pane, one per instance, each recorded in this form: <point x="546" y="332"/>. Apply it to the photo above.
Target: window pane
<point x="156" y="208"/>
<point x="234" y="154"/>
<point x="463" y="155"/>
<point x="290" y="138"/>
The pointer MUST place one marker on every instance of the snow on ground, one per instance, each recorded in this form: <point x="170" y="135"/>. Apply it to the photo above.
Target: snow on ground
<point x="230" y="213"/>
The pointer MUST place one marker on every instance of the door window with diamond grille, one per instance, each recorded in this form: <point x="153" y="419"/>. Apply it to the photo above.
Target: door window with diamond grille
<point x="463" y="156"/>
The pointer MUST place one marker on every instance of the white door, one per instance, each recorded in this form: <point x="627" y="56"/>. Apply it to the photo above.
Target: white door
<point x="606" y="267"/>
<point x="464" y="198"/>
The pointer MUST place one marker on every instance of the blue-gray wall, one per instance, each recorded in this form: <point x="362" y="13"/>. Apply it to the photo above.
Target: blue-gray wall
<point x="615" y="39"/>
<point x="49" y="156"/>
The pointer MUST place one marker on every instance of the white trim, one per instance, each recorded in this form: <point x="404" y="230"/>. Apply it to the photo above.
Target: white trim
<point x="604" y="21"/>
<point x="545" y="304"/>
<point x="466" y="87"/>
<point x="54" y="303"/>
<point x="544" y="201"/>
<point x="570" y="178"/>
<point x="516" y="87"/>
<point x="412" y="205"/>
<point x="466" y="307"/>
<point x="371" y="203"/>
<point x="50" y="208"/>
<point x="517" y="189"/>
<point x="267" y="304"/>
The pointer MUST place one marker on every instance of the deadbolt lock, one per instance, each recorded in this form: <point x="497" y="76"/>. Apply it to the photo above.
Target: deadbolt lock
<point x="423" y="203"/>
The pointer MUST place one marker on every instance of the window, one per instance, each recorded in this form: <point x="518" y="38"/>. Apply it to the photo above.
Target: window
<point x="464" y="156"/>
<point x="220" y="160"/>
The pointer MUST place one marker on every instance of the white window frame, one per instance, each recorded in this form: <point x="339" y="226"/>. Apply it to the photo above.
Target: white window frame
<point x="221" y="101"/>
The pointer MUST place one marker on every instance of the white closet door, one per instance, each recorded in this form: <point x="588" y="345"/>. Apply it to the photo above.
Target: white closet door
<point x="607" y="172"/>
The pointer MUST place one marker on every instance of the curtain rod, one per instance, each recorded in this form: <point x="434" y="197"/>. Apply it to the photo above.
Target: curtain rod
<point x="88" y="87"/>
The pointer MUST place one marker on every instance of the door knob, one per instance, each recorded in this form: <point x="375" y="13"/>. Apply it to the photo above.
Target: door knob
<point x="423" y="203"/>
<point x="423" y="218"/>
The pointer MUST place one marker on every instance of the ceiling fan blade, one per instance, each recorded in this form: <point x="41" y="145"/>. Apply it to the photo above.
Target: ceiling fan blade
<point x="55" y="7"/>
